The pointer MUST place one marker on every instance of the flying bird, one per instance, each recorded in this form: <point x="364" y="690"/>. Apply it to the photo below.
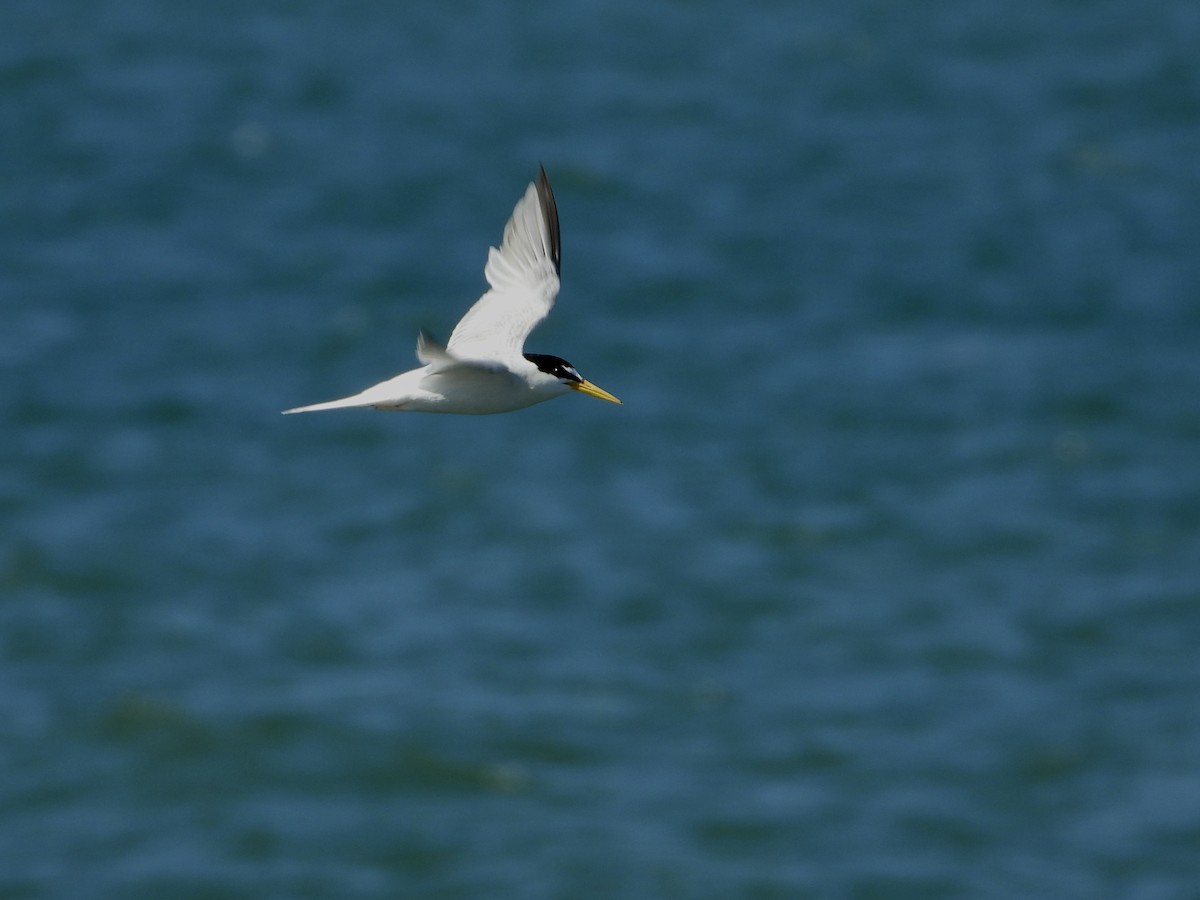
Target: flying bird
<point x="483" y="368"/>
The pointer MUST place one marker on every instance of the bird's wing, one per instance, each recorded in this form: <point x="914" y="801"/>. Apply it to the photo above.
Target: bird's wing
<point x="438" y="359"/>
<point x="523" y="274"/>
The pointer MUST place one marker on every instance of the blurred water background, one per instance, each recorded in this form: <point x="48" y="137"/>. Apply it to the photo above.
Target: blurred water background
<point x="884" y="582"/>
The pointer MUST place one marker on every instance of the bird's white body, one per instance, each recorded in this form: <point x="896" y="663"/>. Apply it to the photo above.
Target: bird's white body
<point x="467" y="389"/>
<point x="483" y="369"/>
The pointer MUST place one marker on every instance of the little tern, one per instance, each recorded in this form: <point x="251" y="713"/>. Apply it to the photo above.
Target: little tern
<point x="483" y="368"/>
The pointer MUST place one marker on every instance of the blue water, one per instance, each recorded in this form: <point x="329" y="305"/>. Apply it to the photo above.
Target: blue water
<point x="884" y="582"/>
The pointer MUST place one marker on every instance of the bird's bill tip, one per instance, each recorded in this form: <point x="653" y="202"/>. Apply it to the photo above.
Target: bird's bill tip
<point x="586" y="387"/>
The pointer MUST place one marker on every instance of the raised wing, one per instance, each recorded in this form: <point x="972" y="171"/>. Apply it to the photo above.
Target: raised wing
<point x="523" y="274"/>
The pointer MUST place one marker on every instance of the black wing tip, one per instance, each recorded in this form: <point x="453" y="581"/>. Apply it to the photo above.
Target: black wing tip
<point x="550" y="212"/>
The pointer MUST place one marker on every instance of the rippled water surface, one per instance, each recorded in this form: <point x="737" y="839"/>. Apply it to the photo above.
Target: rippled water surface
<point x="883" y="582"/>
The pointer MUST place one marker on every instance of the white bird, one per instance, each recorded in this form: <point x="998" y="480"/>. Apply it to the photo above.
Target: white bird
<point x="483" y="368"/>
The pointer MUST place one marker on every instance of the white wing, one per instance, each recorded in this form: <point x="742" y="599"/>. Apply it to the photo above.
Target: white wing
<point x="523" y="275"/>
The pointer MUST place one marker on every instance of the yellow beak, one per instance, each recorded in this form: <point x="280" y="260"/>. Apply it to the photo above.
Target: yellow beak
<point x="586" y="387"/>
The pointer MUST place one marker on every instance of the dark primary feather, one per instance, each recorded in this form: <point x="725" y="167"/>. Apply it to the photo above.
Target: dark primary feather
<point x="550" y="211"/>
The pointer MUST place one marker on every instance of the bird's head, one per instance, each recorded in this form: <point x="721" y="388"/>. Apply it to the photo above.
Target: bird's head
<point x="567" y="375"/>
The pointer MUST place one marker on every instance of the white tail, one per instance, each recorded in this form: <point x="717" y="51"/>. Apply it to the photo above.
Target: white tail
<point x="344" y="403"/>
